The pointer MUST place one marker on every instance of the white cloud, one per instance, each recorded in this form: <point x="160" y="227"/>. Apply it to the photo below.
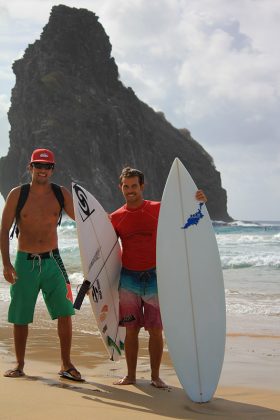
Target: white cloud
<point x="251" y="182"/>
<point x="4" y="104"/>
<point x="212" y="66"/>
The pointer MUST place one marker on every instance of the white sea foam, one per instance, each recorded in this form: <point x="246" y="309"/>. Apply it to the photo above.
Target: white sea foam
<point x="248" y="302"/>
<point x="4" y="296"/>
<point x="253" y="308"/>
<point x="95" y="333"/>
<point x="243" y="224"/>
<point x="234" y="240"/>
<point x="243" y="261"/>
<point x="76" y="278"/>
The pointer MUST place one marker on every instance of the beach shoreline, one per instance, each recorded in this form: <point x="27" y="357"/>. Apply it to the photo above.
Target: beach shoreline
<point x="249" y="386"/>
<point x="251" y="360"/>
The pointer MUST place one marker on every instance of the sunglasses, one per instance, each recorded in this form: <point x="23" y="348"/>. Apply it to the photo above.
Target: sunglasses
<point x="39" y="165"/>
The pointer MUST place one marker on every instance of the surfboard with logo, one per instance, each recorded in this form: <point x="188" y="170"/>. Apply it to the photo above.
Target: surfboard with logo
<point x="191" y="289"/>
<point x="101" y="262"/>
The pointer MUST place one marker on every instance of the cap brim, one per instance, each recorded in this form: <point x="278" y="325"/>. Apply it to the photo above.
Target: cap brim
<point x="42" y="161"/>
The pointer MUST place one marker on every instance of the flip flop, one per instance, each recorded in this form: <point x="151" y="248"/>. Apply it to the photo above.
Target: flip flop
<point x="14" y="373"/>
<point x="68" y="374"/>
<point x="125" y="381"/>
<point x="158" y="383"/>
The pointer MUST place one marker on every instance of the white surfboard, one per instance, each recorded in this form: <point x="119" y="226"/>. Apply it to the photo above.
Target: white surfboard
<point x="101" y="262"/>
<point x="191" y="289"/>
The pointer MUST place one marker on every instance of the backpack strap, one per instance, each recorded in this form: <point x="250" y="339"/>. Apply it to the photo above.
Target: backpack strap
<point x="24" y="191"/>
<point x="60" y="198"/>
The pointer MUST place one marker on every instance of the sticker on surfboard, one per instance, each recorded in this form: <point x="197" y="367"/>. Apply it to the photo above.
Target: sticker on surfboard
<point x="194" y="219"/>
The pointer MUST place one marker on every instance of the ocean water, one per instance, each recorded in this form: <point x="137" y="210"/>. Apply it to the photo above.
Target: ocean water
<point x="250" y="257"/>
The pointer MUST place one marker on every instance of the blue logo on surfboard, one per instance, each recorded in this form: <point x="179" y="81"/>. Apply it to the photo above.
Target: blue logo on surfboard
<point x="194" y="218"/>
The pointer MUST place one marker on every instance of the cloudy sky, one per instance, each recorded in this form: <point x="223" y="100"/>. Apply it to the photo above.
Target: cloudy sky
<point x="212" y="66"/>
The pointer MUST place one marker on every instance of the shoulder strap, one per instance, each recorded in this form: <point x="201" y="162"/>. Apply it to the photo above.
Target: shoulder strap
<point x="24" y="191"/>
<point x="60" y="198"/>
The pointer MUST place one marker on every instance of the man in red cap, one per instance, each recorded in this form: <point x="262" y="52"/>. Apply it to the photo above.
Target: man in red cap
<point x="38" y="265"/>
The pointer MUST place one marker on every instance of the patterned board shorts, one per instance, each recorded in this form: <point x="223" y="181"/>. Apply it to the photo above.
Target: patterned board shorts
<point x="139" y="305"/>
<point x="37" y="272"/>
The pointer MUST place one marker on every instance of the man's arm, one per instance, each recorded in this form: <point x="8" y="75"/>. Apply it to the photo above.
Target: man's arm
<point x="68" y="203"/>
<point x="8" y="216"/>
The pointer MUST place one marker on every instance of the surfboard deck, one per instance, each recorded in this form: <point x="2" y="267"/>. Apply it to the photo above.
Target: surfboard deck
<point x="191" y="289"/>
<point x="101" y="263"/>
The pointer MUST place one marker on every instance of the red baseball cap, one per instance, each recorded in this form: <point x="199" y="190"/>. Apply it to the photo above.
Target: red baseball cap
<point x="42" y="155"/>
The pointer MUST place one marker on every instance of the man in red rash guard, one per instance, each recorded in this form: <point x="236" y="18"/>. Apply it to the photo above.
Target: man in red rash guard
<point x="136" y="225"/>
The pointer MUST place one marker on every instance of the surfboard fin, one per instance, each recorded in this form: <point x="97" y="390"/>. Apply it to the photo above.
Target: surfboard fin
<point x="112" y="343"/>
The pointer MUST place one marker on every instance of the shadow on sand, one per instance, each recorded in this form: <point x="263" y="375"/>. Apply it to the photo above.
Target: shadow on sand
<point x="143" y="398"/>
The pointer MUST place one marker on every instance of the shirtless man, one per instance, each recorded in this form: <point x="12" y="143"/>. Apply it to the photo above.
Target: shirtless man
<point x="38" y="265"/>
<point x="136" y="225"/>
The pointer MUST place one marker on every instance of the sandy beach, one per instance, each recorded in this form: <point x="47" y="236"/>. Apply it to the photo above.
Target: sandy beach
<point x="249" y="387"/>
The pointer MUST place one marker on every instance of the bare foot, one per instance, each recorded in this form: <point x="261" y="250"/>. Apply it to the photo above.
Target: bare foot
<point x="158" y="383"/>
<point x="125" y="381"/>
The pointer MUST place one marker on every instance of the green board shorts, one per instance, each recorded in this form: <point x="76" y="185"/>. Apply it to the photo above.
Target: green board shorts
<point x="37" y="272"/>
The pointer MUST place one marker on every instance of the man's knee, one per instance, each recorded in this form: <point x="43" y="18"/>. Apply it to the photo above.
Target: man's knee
<point x="132" y="332"/>
<point x="155" y="332"/>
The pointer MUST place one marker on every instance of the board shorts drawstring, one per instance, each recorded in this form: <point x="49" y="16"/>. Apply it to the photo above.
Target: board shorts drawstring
<point x="38" y="258"/>
<point x="144" y="278"/>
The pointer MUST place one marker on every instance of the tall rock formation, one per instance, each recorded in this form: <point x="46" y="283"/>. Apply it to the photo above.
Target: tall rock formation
<point x="68" y="97"/>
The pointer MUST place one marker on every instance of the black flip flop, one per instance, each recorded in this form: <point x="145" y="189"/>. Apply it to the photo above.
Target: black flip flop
<point x="68" y="374"/>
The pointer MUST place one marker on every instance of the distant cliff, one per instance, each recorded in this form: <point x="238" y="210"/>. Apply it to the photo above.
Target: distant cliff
<point x="68" y="97"/>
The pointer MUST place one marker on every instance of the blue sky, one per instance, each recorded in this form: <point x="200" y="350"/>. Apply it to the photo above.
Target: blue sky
<point x="212" y="66"/>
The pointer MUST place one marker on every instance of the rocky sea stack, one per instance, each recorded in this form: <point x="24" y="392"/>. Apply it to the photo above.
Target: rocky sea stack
<point x="68" y="97"/>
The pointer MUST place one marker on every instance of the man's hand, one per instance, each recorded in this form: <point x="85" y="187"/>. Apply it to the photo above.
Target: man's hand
<point x="9" y="274"/>
<point x="200" y="196"/>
